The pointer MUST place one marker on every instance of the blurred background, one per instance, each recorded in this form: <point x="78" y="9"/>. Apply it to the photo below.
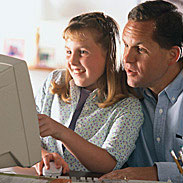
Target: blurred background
<point x="32" y="29"/>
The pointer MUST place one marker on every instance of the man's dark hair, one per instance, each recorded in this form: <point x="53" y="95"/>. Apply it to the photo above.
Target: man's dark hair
<point x="168" y="21"/>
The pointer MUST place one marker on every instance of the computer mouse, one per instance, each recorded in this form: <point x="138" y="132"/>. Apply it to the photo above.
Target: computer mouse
<point x="52" y="171"/>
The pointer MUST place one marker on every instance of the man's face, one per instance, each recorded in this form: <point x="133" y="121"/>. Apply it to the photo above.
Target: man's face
<point x="144" y="60"/>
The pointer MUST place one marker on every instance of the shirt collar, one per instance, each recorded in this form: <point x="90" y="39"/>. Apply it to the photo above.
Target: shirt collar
<point x="73" y="85"/>
<point x="172" y="91"/>
<point x="148" y="94"/>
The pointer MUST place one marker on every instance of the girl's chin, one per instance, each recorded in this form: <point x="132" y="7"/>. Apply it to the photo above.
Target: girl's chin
<point x="79" y="84"/>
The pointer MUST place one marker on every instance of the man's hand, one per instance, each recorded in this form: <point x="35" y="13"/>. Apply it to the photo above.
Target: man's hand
<point x="133" y="173"/>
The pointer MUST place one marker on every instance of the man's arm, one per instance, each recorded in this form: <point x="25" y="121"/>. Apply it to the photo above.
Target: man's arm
<point x="133" y="173"/>
<point x="161" y="171"/>
<point x="168" y="170"/>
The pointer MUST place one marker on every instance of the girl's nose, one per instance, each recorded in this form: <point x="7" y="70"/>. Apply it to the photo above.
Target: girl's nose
<point x="74" y="59"/>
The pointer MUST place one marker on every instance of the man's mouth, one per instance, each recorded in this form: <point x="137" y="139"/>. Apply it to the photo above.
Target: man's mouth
<point x="131" y="72"/>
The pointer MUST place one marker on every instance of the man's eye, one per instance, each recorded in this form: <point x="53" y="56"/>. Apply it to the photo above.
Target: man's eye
<point x="126" y="45"/>
<point x="141" y="50"/>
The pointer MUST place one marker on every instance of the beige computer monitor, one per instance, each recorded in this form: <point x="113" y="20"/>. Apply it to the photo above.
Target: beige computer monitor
<point x="19" y="132"/>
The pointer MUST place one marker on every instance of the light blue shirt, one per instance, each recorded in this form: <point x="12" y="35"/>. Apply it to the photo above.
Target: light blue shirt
<point x="163" y="122"/>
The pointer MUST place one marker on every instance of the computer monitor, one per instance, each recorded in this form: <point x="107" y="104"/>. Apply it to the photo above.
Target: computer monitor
<point x="19" y="132"/>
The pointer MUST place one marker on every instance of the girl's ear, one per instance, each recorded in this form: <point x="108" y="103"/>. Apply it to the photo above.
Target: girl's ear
<point x="174" y="54"/>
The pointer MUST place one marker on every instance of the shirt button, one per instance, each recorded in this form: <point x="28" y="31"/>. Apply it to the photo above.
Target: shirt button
<point x="158" y="139"/>
<point x="161" y="111"/>
<point x="173" y="98"/>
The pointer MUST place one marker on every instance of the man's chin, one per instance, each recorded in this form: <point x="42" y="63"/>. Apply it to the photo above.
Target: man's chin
<point x="133" y="84"/>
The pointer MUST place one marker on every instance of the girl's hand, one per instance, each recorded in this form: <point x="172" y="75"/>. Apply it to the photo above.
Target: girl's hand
<point x="49" y="127"/>
<point x="58" y="160"/>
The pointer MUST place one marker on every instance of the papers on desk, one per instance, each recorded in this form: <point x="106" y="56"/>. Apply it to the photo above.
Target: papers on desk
<point x="15" y="179"/>
<point x="27" y="175"/>
<point x="130" y="181"/>
<point x="5" y="178"/>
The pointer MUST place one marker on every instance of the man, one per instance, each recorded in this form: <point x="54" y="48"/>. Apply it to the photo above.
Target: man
<point x="153" y="39"/>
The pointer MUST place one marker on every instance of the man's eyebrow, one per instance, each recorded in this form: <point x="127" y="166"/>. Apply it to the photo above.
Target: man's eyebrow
<point x="138" y="43"/>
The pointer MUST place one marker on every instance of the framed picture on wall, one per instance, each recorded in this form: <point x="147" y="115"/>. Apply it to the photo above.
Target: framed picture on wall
<point x="46" y="57"/>
<point x="14" y="48"/>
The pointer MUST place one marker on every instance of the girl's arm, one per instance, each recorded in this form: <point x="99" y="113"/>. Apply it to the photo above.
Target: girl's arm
<point x="91" y="156"/>
<point x="119" y="143"/>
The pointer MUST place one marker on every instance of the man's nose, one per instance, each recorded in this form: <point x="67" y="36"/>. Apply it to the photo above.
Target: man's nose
<point x="129" y="55"/>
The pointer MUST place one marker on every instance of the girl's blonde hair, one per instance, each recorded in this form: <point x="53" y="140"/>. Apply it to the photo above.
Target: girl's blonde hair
<point x="112" y="85"/>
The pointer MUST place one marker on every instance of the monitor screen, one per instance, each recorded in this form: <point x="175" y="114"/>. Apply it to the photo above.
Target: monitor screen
<point x="19" y="132"/>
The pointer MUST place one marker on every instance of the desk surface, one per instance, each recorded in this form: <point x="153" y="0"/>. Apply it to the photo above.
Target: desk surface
<point x="32" y="172"/>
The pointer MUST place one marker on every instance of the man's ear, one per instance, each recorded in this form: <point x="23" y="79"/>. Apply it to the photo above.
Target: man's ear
<point x="174" y="54"/>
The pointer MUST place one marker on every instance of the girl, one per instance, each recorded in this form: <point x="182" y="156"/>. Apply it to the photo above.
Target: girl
<point x="89" y="120"/>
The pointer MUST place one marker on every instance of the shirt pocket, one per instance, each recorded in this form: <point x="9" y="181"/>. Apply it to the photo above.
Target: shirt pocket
<point x="178" y="140"/>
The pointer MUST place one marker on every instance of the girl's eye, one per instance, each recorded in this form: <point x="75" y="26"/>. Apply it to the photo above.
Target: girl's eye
<point x="68" y="52"/>
<point x="83" y="52"/>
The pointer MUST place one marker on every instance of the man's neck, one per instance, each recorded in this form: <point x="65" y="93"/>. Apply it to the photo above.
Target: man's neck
<point x="166" y="80"/>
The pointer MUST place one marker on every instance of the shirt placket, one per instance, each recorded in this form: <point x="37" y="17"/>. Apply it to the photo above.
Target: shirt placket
<point x="159" y="126"/>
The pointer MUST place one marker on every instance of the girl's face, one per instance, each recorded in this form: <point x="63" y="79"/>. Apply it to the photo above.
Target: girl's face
<point x="86" y="60"/>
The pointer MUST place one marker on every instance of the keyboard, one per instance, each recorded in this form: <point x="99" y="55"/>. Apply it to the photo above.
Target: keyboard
<point x="90" y="179"/>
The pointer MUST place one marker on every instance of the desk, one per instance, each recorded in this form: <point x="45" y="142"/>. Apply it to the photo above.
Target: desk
<point x="31" y="172"/>
<point x="20" y="170"/>
<point x="30" y="175"/>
